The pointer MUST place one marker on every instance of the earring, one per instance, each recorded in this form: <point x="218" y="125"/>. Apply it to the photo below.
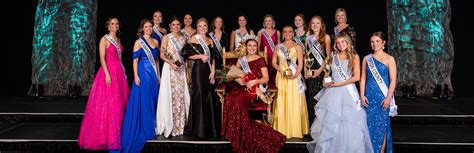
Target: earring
<point x="383" y="47"/>
<point x="273" y="25"/>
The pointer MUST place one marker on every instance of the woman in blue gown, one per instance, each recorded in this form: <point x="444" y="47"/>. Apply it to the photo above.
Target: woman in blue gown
<point x="378" y="101"/>
<point x="139" y="121"/>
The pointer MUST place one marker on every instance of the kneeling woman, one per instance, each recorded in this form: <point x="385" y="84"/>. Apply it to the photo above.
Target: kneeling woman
<point x="244" y="134"/>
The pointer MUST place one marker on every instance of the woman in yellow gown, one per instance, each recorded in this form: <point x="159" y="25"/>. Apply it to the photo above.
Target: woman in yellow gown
<point x="290" y="111"/>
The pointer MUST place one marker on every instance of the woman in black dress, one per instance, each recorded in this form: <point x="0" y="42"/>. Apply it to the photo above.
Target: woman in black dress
<point x="200" y="49"/>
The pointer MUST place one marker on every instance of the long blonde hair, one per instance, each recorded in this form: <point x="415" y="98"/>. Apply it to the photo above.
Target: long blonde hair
<point x="350" y="51"/>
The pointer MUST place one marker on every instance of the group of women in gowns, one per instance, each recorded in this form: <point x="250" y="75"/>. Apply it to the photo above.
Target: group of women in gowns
<point x="161" y="102"/>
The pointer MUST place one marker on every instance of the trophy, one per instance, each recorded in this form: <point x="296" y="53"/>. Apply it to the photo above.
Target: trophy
<point x="170" y="57"/>
<point x="327" y="72"/>
<point x="308" y="64"/>
<point x="288" y="72"/>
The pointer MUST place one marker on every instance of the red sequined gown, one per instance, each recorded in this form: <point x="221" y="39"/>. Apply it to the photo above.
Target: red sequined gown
<point x="244" y="134"/>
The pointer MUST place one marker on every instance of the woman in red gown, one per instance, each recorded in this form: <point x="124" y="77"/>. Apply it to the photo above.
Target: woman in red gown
<point x="244" y="134"/>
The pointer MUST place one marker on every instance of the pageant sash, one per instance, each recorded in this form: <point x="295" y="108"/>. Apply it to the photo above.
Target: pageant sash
<point x="216" y="42"/>
<point x="176" y="45"/>
<point x="316" y="50"/>
<point x="239" y="34"/>
<point x="185" y="34"/>
<point x="292" y="65"/>
<point x="116" y="45"/>
<point x="350" y="87"/>
<point x="245" y="64"/>
<point x="299" y="42"/>
<point x="206" y="49"/>
<point x="149" y="55"/>
<point x="381" y="84"/>
<point x="269" y="39"/>
<point x="157" y="32"/>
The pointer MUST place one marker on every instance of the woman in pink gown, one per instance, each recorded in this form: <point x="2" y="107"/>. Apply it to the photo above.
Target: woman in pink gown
<point x="273" y="35"/>
<point x="102" y="121"/>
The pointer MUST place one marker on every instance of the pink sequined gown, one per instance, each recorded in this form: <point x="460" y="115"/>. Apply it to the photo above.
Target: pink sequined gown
<point x="102" y="121"/>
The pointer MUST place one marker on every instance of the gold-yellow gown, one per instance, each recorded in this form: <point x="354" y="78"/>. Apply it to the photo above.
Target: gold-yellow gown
<point x="290" y="111"/>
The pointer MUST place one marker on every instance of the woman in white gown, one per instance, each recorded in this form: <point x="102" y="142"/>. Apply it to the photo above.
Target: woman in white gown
<point x="241" y="34"/>
<point x="173" y="101"/>
<point x="340" y="124"/>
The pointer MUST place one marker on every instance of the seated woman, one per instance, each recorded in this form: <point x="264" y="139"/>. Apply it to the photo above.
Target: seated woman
<point x="244" y="134"/>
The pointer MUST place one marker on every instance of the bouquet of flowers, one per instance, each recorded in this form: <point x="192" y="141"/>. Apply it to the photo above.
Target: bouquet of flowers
<point x="220" y="75"/>
<point x="255" y="91"/>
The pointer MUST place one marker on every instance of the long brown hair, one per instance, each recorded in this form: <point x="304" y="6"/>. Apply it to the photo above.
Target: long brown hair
<point x="305" y="25"/>
<point x="108" y="23"/>
<point x="142" y="23"/>
<point x="322" y="33"/>
<point x="351" y="53"/>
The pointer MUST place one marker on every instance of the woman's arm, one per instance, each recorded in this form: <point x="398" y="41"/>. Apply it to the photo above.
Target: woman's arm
<point x="265" y="76"/>
<point x="327" y="47"/>
<point x="157" y="61"/>
<point x="278" y="38"/>
<point x="299" y="51"/>
<point x="363" y="77"/>
<point x="232" y="40"/>
<point x="275" y="60"/>
<point x="136" y="47"/>
<point x="392" y="68"/>
<point x="259" y="40"/>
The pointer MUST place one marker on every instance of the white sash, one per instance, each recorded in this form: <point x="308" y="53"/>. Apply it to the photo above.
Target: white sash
<point x="218" y="44"/>
<point x="298" y="40"/>
<point x="381" y="84"/>
<point x="292" y="65"/>
<point x="176" y="45"/>
<point x="245" y="64"/>
<point x="239" y="34"/>
<point x="185" y="34"/>
<point x="117" y="47"/>
<point x="316" y="50"/>
<point x="149" y="54"/>
<point x="157" y="32"/>
<point x="269" y="39"/>
<point x="350" y="87"/>
<point x="206" y="49"/>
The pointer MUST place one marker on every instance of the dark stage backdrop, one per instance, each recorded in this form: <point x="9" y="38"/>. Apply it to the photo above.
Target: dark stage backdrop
<point x="365" y="16"/>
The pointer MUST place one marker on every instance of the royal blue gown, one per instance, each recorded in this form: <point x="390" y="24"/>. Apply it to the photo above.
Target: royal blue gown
<point x="139" y="121"/>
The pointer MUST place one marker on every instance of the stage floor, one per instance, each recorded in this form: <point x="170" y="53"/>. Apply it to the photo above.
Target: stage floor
<point x="423" y="124"/>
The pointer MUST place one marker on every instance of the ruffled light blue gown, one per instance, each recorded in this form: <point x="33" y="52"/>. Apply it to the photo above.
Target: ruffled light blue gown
<point x="340" y="126"/>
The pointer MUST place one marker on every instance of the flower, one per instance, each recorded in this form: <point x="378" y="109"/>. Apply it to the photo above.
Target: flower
<point x="220" y="75"/>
